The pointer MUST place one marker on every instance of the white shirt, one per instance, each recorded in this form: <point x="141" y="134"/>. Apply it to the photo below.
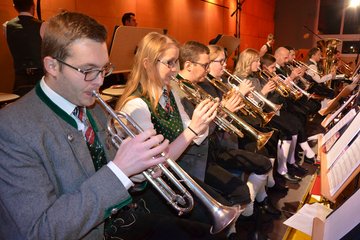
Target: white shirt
<point x="316" y="76"/>
<point x="69" y="107"/>
<point x="139" y="111"/>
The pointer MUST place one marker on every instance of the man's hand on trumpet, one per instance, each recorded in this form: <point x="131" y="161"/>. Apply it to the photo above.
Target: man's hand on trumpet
<point x="141" y="152"/>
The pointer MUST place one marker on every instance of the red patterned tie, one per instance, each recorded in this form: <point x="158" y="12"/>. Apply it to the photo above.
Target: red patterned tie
<point x="89" y="131"/>
<point x="168" y="107"/>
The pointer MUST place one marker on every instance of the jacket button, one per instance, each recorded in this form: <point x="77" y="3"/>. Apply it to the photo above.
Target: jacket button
<point x="70" y="137"/>
<point x="114" y="211"/>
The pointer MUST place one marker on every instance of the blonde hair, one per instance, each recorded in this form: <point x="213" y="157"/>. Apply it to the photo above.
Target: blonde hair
<point x="246" y="58"/>
<point x="215" y="51"/>
<point x="146" y="78"/>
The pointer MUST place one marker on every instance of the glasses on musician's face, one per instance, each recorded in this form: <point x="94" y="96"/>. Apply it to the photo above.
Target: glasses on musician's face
<point x="204" y="65"/>
<point x="221" y="61"/>
<point x="92" y="74"/>
<point x="170" y="63"/>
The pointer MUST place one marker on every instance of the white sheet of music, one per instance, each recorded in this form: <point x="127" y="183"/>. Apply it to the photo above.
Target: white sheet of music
<point x="342" y="143"/>
<point x="347" y="118"/>
<point x="303" y="219"/>
<point x="333" y="116"/>
<point x="344" y="166"/>
<point x="343" y="219"/>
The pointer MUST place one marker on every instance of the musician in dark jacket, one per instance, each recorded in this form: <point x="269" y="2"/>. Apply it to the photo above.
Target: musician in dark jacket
<point x="23" y="35"/>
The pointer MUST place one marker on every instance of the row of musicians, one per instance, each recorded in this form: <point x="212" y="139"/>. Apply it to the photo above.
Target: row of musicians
<point x="61" y="177"/>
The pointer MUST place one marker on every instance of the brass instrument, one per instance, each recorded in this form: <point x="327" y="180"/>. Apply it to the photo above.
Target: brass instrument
<point x="281" y="87"/>
<point x="262" y="100"/>
<point x="304" y="81"/>
<point x="302" y="64"/>
<point x="196" y="94"/>
<point x="296" y="92"/>
<point x="249" y="108"/>
<point x="222" y="215"/>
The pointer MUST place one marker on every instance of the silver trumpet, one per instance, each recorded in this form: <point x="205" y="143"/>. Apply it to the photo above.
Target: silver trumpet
<point x="262" y="100"/>
<point x="222" y="215"/>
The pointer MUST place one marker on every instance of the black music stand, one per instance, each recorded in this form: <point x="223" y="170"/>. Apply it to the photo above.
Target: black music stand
<point x="229" y="43"/>
<point x="124" y="45"/>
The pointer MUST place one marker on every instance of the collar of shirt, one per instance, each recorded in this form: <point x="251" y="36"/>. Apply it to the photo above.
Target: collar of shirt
<point x="25" y="14"/>
<point x="313" y="61"/>
<point x="61" y="102"/>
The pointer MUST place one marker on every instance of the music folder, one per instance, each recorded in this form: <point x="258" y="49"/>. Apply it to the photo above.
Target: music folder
<point x="230" y="43"/>
<point x="124" y="46"/>
<point x="341" y="223"/>
<point x="334" y="103"/>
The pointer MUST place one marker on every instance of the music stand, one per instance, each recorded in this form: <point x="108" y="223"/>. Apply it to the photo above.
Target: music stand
<point x="230" y="43"/>
<point x="124" y="45"/>
<point x="335" y="102"/>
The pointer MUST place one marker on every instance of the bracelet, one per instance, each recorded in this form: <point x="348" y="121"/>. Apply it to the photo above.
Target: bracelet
<point x="193" y="131"/>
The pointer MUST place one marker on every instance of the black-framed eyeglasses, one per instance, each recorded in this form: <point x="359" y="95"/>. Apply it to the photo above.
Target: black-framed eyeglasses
<point x="170" y="63"/>
<point x="92" y="74"/>
<point x="221" y="61"/>
<point x="204" y="65"/>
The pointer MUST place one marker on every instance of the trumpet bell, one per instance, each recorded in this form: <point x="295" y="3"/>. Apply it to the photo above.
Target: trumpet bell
<point x="223" y="215"/>
<point x="263" y="138"/>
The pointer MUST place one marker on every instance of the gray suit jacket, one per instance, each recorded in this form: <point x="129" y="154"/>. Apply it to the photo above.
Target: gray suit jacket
<point x="48" y="185"/>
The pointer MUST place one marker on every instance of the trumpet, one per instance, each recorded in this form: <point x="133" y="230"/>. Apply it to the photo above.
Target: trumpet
<point x="302" y="64"/>
<point x="296" y="91"/>
<point x="250" y="107"/>
<point x="196" y="94"/>
<point x="222" y="215"/>
<point x="304" y="81"/>
<point x="262" y="100"/>
<point x="281" y="87"/>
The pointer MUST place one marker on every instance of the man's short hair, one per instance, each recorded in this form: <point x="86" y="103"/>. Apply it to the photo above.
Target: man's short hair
<point x="127" y="17"/>
<point x="23" y="5"/>
<point x="190" y="51"/>
<point x="289" y="48"/>
<point x="65" y="28"/>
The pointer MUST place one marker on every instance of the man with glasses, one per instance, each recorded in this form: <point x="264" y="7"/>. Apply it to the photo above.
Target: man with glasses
<point x="60" y="177"/>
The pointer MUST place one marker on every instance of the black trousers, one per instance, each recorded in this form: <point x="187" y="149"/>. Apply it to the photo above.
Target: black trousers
<point x="134" y="225"/>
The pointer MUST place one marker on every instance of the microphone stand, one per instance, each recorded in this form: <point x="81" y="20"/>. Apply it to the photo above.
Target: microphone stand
<point x="237" y="32"/>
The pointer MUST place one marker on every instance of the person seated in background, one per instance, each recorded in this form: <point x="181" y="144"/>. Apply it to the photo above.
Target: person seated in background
<point x="60" y="177"/>
<point x="315" y="72"/>
<point x="23" y="35"/>
<point x="128" y="19"/>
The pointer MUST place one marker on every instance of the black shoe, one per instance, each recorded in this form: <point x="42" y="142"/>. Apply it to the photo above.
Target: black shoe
<point x="309" y="160"/>
<point x="295" y="168"/>
<point x="278" y="188"/>
<point x="257" y="235"/>
<point x="290" y="178"/>
<point x="267" y="206"/>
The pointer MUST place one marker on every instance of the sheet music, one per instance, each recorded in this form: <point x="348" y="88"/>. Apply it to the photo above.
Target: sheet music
<point x="333" y="116"/>
<point x="344" y="166"/>
<point x="340" y="146"/>
<point x="343" y="219"/>
<point x="303" y="219"/>
<point x="339" y="125"/>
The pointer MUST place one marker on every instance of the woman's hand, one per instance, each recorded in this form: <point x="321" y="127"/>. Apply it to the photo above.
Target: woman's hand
<point x="245" y="87"/>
